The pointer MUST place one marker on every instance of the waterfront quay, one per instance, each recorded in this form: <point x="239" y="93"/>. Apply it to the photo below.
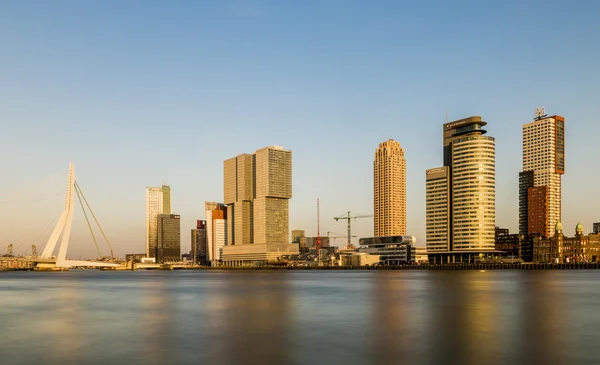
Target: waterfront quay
<point x="479" y="266"/>
<point x="438" y="267"/>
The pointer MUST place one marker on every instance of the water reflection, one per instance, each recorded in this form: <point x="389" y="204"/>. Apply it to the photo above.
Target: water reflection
<point x="450" y="328"/>
<point x="542" y="328"/>
<point x="482" y="320"/>
<point x="156" y="326"/>
<point x="300" y="318"/>
<point x="258" y="320"/>
<point x="65" y="324"/>
<point x="392" y="339"/>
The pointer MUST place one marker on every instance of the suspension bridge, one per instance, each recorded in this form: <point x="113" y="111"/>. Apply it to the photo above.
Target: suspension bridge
<point x="54" y="254"/>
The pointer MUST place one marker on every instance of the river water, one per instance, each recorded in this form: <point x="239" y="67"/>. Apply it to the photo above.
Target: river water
<point x="300" y="317"/>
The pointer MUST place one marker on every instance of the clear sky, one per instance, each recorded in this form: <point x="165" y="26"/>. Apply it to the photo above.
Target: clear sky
<point x="136" y="93"/>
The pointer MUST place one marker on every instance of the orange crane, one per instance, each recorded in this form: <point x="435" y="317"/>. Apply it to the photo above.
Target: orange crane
<point x="348" y="216"/>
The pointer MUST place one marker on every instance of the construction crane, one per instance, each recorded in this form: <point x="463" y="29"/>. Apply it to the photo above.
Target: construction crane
<point x="348" y="216"/>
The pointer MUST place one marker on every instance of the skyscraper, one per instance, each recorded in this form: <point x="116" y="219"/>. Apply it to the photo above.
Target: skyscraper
<point x="199" y="243"/>
<point x="438" y="209"/>
<point x="238" y="178"/>
<point x="273" y="190"/>
<point x="168" y="247"/>
<point x="216" y="228"/>
<point x="389" y="176"/>
<point x="158" y="201"/>
<point x="257" y="189"/>
<point x="540" y="181"/>
<point x="460" y="196"/>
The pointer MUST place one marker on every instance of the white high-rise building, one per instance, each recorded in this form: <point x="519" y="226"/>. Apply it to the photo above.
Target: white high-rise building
<point x="461" y="195"/>
<point x="473" y="193"/>
<point x="544" y="157"/>
<point x="216" y="229"/>
<point x="158" y="201"/>
<point x="437" y="214"/>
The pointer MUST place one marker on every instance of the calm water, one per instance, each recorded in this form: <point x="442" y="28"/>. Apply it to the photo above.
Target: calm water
<point x="317" y="317"/>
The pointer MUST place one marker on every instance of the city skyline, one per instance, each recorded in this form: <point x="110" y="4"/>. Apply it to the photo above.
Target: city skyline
<point x="329" y="93"/>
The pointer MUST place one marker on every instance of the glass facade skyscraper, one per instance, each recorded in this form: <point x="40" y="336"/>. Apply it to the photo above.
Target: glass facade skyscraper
<point x="461" y="195"/>
<point x="158" y="201"/>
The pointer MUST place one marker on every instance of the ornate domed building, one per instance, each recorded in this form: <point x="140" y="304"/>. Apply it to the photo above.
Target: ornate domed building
<point x="559" y="248"/>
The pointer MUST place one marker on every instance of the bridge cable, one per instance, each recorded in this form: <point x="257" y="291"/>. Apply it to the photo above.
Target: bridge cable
<point x="29" y="192"/>
<point x="93" y="215"/>
<point x="88" y="222"/>
<point x="22" y="239"/>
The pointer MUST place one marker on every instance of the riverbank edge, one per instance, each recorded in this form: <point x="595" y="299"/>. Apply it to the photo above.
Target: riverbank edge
<point x="441" y="267"/>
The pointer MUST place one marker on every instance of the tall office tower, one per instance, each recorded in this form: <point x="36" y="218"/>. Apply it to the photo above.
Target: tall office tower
<point x="597" y="227"/>
<point x="460" y="196"/>
<point x="168" y="248"/>
<point x="273" y="171"/>
<point x="257" y="189"/>
<point x="437" y="209"/>
<point x="238" y="193"/>
<point x="216" y="231"/>
<point x="158" y="201"/>
<point x="540" y="181"/>
<point x="199" y="243"/>
<point x="389" y="176"/>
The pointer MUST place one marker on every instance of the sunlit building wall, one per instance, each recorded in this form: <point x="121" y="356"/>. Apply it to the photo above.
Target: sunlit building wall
<point x="158" y="201"/>
<point x="389" y="180"/>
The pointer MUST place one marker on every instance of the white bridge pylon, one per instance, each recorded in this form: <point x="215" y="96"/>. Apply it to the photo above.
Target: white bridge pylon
<point x="63" y="231"/>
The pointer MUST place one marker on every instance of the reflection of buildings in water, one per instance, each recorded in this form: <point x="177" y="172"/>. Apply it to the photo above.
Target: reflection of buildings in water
<point x="66" y="324"/>
<point x="476" y="320"/>
<point x="218" y="311"/>
<point x="258" y="319"/>
<point x="482" y="318"/>
<point x="155" y="325"/>
<point x="541" y="320"/>
<point x="393" y="319"/>
<point x="464" y="328"/>
<point x="448" y="330"/>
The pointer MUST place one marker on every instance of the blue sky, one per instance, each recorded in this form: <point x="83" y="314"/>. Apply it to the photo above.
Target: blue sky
<point x="139" y="92"/>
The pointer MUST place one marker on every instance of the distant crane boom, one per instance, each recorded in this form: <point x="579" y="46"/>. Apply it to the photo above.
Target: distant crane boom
<point x="349" y="217"/>
<point x="335" y="235"/>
